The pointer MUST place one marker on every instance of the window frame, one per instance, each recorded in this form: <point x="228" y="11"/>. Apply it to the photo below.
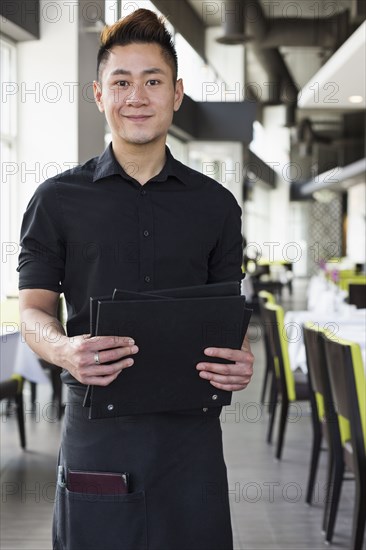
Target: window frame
<point x="9" y="205"/>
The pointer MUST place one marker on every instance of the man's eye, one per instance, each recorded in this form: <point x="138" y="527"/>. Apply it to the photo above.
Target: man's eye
<point x="122" y="83"/>
<point x="153" y="82"/>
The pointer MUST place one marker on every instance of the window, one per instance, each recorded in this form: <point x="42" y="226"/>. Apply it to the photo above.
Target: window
<point x="8" y="125"/>
<point x="197" y="75"/>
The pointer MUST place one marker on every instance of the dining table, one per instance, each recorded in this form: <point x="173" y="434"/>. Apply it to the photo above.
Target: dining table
<point x="15" y="355"/>
<point x="17" y="358"/>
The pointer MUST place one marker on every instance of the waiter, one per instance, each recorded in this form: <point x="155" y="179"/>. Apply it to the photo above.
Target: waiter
<point x="132" y="218"/>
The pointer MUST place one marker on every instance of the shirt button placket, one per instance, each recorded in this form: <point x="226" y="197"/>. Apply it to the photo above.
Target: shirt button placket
<point x="146" y="240"/>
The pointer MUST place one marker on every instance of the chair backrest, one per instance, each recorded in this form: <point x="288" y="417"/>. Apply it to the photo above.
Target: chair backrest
<point x="275" y="320"/>
<point x="357" y="295"/>
<point x="344" y="282"/>
<point x="318" y="374"/>
<point x="264" y="296"/>
<point x="348" y="383"/>
<point x="336" y="427"/>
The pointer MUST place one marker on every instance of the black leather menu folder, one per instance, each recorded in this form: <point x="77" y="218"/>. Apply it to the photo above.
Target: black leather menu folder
<point x="171" y="333"/>
<point x="230" y="288"/>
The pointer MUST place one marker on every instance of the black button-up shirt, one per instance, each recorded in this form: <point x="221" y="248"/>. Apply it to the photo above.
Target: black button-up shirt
<point x="94" y="228"/>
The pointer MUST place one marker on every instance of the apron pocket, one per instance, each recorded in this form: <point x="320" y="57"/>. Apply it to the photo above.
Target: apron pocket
<point x="100" y="522"/>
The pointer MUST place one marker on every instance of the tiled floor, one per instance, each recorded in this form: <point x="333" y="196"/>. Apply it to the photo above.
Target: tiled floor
<point x="267" y="497"/>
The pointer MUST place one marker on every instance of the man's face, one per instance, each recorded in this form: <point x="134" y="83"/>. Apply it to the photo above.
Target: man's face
<point x="137" y="94"/>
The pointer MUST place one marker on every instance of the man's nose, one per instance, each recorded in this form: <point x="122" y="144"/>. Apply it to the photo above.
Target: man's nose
<point x="136" y="96"/>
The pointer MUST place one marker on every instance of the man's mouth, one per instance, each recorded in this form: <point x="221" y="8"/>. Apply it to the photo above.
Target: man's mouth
<point x="137" y="118"/>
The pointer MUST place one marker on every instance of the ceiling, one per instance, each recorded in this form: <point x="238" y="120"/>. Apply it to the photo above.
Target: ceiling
<point x="302" y="62"/>
<point x="321" y="54"/>
<point x="342" y="77"/>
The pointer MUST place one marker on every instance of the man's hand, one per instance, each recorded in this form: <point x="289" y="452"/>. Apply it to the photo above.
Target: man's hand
<point x="230" y="377"/>
<point x="85" y="357"/>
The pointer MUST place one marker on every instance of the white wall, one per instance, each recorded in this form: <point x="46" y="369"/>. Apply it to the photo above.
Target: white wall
<point x="48" y="123"/>
<point x="228" y="61"/>
<point x="222" y="161"/>
<point x="269" y="220"/>
<point x="356" y="230"/>
<point x="256" y="219"/>
<point x="46" y="90"/>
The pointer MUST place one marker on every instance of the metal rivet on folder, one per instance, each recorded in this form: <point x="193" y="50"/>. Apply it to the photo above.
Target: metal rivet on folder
<point x="110" y="407"/>
<point x="214" y="397"/>
<point x="205" y="409"/>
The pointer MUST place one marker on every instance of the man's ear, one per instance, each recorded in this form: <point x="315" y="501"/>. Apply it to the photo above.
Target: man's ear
<point x="178" y="94"/>
<point x="97" y="89"/>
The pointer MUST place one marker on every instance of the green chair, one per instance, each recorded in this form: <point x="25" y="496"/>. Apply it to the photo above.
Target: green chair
<point x="291" y="386"/>
<point x="357" y="294"/>
<point x="269" y="374"/>
<point x="345" y="281"/>
<point x="325" y="422"/>
<point x="348" y="383"/>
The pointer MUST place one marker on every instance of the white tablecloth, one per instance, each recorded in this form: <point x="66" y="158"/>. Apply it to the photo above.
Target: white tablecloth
<point x="324" y="295"/>
<point x="349" y="325"/>
<point x="17" y="357"/>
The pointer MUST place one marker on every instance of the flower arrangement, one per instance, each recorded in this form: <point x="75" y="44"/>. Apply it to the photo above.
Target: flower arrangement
<point x="334" y="275"/>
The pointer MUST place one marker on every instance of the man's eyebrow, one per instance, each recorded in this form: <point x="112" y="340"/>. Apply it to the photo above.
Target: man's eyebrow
<point x="152" y="70"/>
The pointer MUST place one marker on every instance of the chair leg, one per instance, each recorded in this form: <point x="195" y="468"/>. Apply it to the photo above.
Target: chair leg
<point x="20" y="418"/>
<point x="272" y="409"/>
<point x="273" y="397"/>
<point x="264" y="385"/>
<point x="328" y="492"/>
<point x="359" y="515"/>
<point x="317" y="440"/>
<point x="282" y="427"/>
<point x="33" y="386"/>
<point x="335" y="493"/>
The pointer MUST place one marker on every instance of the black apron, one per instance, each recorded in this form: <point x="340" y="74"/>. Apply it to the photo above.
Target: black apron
<point x="178" y="498"/>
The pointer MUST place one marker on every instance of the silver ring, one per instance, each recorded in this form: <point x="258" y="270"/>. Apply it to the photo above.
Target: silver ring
<point x="96" y="358"/>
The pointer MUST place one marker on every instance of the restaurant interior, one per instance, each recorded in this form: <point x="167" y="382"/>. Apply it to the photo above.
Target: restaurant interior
<point x="274" y="110"/>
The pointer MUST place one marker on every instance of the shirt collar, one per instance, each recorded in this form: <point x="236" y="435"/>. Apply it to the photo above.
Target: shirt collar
<point x="107" y="165"/>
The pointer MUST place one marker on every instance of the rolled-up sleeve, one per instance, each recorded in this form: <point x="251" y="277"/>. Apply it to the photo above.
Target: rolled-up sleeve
<point x="225" y="262"/>
<point x="42" y="257"/>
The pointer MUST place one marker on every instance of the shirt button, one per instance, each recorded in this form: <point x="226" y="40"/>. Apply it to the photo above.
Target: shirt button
<point x="143" y="192"/>
<point x="147" y="279"/>
<point x="146" y="233"/>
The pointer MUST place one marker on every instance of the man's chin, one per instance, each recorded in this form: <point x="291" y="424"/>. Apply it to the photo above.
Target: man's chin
<point x="141" y="140"/>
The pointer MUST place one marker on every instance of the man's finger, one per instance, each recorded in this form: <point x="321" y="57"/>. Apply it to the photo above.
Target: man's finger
<point x="107" y="370"/>
<point x="98" y="343"/>
<point x="113" y="354"/>
<point x="225" y="353"/>
<point x="224" y="378"/>
<point x="221" y="368"/>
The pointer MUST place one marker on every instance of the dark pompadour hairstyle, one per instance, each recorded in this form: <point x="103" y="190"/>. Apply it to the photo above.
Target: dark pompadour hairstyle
<point x="141" y="26"/>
